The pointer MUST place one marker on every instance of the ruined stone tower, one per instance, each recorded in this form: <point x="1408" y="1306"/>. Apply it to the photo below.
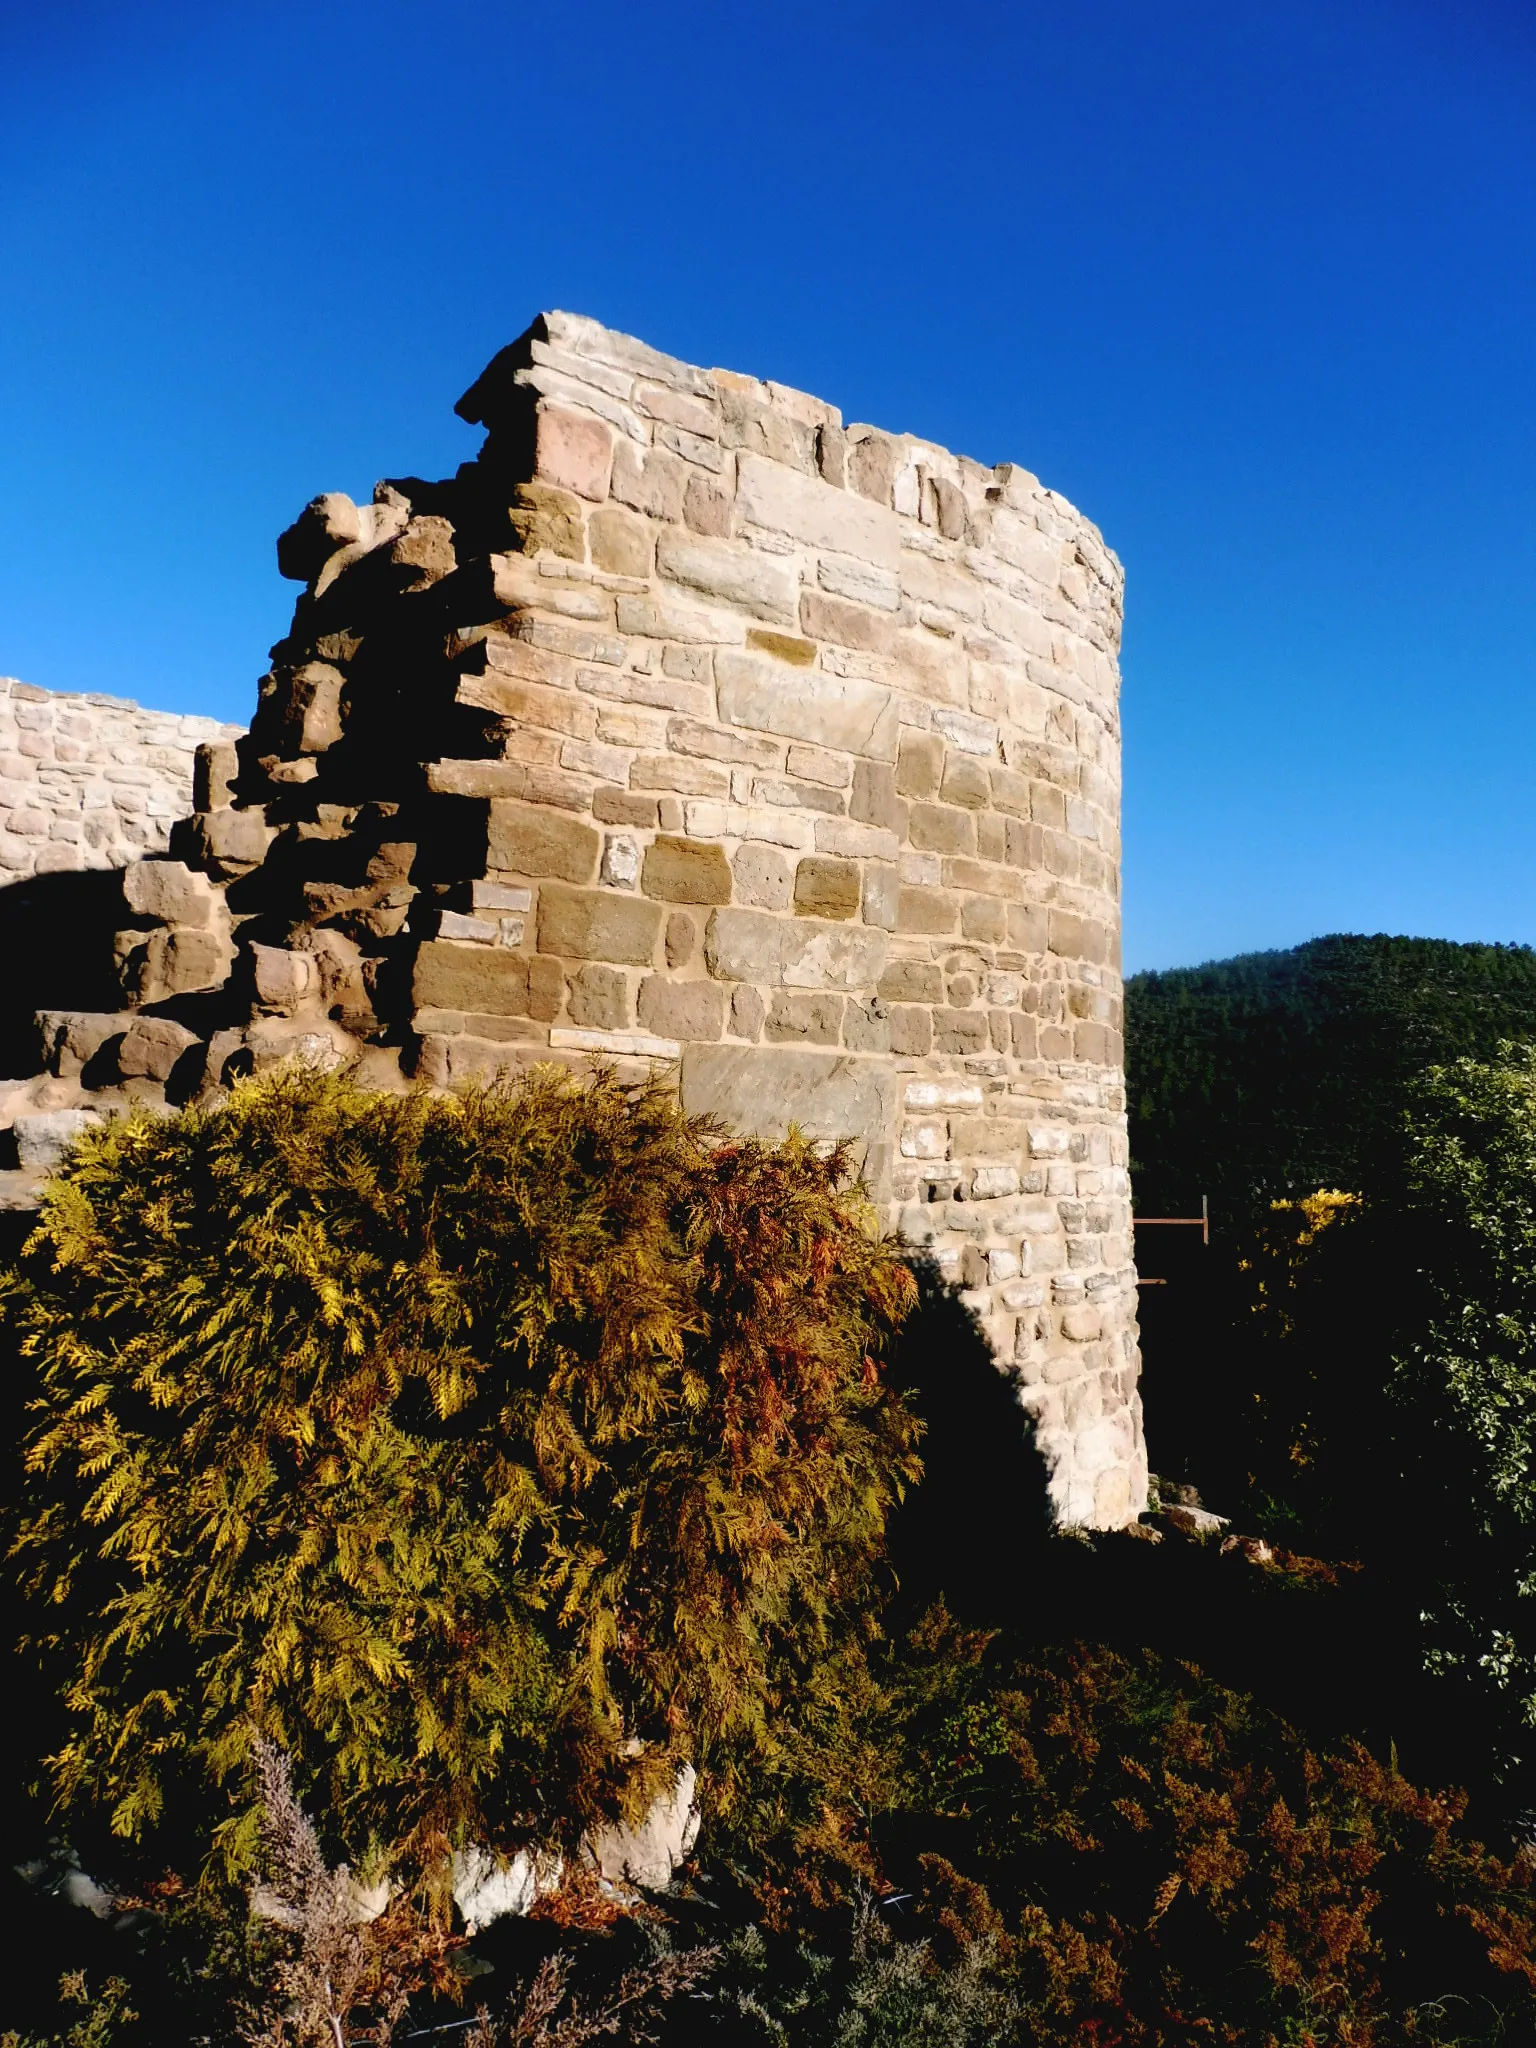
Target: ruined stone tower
<point x="687" y="725"/>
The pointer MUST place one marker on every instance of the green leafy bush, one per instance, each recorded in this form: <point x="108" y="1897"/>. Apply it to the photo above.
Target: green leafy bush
<point x="1376" y="1398"/>
<point x="481" y="1451"/>
<point x="1460" y="1414"/>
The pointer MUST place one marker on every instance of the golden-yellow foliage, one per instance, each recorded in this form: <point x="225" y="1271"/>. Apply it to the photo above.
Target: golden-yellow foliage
<point x="462" y="1446"/>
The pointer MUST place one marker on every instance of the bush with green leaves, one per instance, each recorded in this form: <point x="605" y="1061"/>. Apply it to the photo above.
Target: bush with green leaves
<point x="1377" y="1394"/>
<point x="484" y="1451"/>
<point x="1460" y="1412"/>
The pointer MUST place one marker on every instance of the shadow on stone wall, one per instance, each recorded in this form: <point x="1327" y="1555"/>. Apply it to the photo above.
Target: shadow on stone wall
<point x="56" y="940"/>
<point x="981" y="1516"/>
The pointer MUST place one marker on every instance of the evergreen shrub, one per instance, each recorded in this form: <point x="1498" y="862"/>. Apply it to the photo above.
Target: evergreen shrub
<point x="483" y="1451"/>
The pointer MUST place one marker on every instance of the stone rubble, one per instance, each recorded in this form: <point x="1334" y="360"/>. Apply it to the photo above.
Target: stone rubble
<point x="687" y="724"/>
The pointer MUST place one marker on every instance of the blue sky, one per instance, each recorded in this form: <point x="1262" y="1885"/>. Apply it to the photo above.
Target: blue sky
<point x="1253" y="284"/>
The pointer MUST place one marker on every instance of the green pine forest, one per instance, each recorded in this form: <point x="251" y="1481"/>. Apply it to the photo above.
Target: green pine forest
<point x="1268" y="1075"/>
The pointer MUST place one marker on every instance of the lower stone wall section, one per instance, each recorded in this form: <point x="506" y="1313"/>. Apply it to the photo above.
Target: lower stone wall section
<point x="90" y="781"/>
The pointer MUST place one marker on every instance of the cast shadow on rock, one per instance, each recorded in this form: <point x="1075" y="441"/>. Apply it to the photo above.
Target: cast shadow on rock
<point x="56" y="936"/>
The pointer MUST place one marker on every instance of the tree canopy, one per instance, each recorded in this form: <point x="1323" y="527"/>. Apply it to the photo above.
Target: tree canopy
<point x="1273" y="1074"/>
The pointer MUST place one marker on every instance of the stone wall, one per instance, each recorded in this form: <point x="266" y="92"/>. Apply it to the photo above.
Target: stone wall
<point x="88" y="781"/>
<point x="688" y="725"/>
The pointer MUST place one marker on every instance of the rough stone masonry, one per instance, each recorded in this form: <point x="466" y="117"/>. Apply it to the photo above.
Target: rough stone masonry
<point x="89" y="781"/>
<point x="687" y="724"/>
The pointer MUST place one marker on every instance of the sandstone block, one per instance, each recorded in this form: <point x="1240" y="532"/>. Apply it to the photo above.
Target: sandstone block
<point x="831" y="711"/>
<point x="663" y="618"/>
<point x="231" y="841"/>
<point x="1090" y="1043"/>
<point x="783" y="647"/>
<point x="960" y="1031"/>
<point x="176" y="961"/>
<point x="652" y="484"/>
<point x="762" y="877"/>
<point x="882" y="894"/>
<point x="873" y="800"/>
<point x="691" y="736"/>
<point x="215" y="766"/>
<point x="873" y="462"/>
<point x="866" y="1025"/>
<point x="815" y="955"/>
<point x="450" y="975"/>
<point x="642" y="1045"/>
<point x="744" y="945"/>
<point x="454" y="924"/>
<point x="44" y="1137"/>
<point x="574" y="452"/>
<point x="912" y="981"/>
<point x="624" y="807"/>
<point x="592" y="924"/>
<point x="972" y="735"/>
<point x="598" y="998"/>
<point x="547" y="521"/>
<point x="1027" y="927"/>
<point x="283" y="979"/>
<point x="682" y="1009"/>
<point x="746" y="1013"/>
<point x="912" y="1031"/>
<point x="926" y="910"/>
<point x="524" y="839"/>
<point x="832" y="455"/>
<point x="707" y="507"/>
<point x="71" y="1039"/>
<point x="171" y="893"/>
<point x="760" y="584"/>
<point x="816" y="764"/>
<point x="769" y="494"/>
<point x="966" y="783"/>
<point x="686" y="871"/>
<point x="620" y="542"/>
<point x="942" y="828"/>
<point x="828" y="1095"/>
<point x="749" y="419"/>
<point x="920" y="764"/>
<point x="679" y="773"/>
<point x="529" y="704"/>
<point x="984" y="919"/>
<point x="861" y="582"/>
<point x="680" y="939"/>
<point x="151" y="1047"/>
<point x="827" y="888"/>
<point x="798" y="1016"/>
<point x="326" y="524"/>
<point x="531" y="781"/>
<point x="823" y="617"/>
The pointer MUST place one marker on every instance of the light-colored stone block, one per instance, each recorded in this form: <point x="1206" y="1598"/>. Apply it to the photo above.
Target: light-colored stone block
<point x="808" y="510"/>
<point x="845" y="712"/>
<point x="759" y="584"/>
<point x="827" y="1095"/>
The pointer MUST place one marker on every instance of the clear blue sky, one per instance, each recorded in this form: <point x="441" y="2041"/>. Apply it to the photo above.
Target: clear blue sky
<point x="1251" y="282"/>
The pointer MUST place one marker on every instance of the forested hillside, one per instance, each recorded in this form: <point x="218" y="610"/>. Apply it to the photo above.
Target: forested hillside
<point x="1275" y="1073"/>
